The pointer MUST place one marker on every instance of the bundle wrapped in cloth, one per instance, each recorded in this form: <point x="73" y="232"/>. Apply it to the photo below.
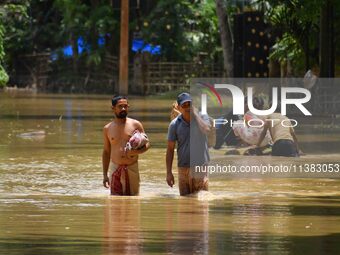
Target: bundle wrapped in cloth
<point x="137" y="141"/>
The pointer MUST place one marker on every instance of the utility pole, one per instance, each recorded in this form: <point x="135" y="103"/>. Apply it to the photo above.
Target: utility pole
<point x="124" y="49"/>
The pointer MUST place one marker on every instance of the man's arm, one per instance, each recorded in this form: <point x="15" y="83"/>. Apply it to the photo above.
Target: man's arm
<point x="169" y="159"/>
<point x="263" y="134"/>
<point x="203" y="126"/>
<point x="106" y="158"/>
<point x="295" y="139"/>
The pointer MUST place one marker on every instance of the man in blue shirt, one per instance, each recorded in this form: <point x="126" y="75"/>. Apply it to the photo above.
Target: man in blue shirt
<point x="189" y="130"/>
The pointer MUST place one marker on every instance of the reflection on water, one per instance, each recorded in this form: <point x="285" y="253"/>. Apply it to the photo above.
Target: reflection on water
<point x="52" y="199"/>
<point x="173" y="227"/>
<point x="122" y="227"/>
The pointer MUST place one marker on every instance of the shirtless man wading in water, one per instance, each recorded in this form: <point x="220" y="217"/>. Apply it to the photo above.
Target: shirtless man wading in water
<point x="120" y="166"/>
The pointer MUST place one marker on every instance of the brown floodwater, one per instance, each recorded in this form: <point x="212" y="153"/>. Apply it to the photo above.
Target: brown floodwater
<point x="52" y="199"/>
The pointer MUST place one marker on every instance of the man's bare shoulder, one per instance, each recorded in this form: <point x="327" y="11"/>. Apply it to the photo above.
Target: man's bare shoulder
<point x="108" y="125"/>
<point x="134" y="122"/>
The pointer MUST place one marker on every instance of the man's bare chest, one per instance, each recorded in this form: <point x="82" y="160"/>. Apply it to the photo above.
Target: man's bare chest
<point x="119" y="135"/>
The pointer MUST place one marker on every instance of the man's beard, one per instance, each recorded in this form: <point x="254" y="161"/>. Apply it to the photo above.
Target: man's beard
<point x="121" y="115"/>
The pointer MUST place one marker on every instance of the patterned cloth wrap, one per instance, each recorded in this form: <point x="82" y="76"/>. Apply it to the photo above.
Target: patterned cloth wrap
<point x="137" y="141"/>
<point x="120" y="184"/>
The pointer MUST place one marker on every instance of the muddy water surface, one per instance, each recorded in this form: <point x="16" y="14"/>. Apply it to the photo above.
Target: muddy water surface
<point x="52" y="199"/>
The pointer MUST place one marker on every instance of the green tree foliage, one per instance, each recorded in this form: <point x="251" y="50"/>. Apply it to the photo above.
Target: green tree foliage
<point x="207" y="30"/>
<point x="17" y="27"/>
<point x="12" y="17"/>
<point x="183" y="28"/>
<point x="89" y="20"/>
<point x="167" y="26"/>
<point x="103" y="21"/>
<point x="39" y="26"/>
<point x="297" y="25"/>
<point x="3" y="74"/>
<point x="287" y="48"/>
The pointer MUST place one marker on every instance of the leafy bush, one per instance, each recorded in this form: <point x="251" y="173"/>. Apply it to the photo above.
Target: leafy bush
<point x="3" y="74"/>
<point x="3" y="77"/>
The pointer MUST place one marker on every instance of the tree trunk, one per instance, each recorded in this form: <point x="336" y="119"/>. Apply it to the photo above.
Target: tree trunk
<point x="124" y="49"/>
<point x="226" y="39"/>
<point x="274" y="68"/>
<point x="327" y="56"/>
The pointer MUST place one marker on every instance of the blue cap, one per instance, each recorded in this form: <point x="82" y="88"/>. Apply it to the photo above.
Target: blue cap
<point x="183" y="97"/>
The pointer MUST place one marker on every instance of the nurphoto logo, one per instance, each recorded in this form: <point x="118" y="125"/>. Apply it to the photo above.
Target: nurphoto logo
<point x="238" y="100"/>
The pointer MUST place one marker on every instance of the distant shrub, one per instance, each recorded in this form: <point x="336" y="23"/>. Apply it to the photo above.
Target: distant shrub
<point x="3" y="77"/>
